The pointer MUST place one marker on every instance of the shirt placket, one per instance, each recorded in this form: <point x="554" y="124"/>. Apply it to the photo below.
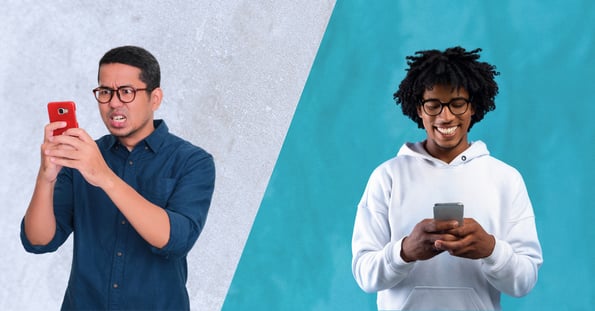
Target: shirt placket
<point x="117" y="281"/>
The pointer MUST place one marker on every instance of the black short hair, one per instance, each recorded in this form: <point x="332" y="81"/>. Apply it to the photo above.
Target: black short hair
<point x="455" y="67"/>
<point x="138" y="57"/>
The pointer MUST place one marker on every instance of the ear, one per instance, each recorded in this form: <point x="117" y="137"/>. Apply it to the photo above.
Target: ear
<point x="419" y="112"/>
<point x="156" y="97"/>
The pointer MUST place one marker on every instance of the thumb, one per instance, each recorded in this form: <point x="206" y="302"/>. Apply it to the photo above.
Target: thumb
<point x="438" y="245"/>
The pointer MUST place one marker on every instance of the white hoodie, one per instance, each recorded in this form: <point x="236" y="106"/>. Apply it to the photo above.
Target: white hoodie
<point x="402" y="191"/>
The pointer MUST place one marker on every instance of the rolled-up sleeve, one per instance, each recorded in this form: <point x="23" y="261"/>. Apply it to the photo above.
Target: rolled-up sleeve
<point x="63" y="212"/>
<point x="188" y="204"/>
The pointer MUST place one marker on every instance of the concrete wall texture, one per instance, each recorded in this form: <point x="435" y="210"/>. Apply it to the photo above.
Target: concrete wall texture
<point x="232" y="74"/>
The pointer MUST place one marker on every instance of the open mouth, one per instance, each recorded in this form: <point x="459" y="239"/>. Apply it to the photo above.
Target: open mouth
<point x="118" y="118"/>
<point x="448" y="131"/>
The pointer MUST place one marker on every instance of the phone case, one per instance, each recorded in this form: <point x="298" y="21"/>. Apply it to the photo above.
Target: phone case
<point x="63" y="111"/>
<point x="449" y="211"/>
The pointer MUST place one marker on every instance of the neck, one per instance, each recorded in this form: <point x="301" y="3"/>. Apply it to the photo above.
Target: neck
<point x="446" y="154"/>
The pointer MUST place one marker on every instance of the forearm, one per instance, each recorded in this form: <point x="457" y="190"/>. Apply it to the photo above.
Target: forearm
<point x="149" y="220"/>
<point x="40" y="221"/>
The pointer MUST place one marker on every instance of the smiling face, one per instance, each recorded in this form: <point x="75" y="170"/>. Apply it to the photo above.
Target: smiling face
<point x="447" y="133"/>
<point x="129" y="122"/>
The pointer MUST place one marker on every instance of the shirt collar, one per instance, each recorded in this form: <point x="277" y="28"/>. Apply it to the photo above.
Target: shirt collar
<point x="155" y="140"/>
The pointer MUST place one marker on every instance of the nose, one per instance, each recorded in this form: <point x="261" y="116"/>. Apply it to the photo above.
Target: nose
<point x="115" y="101"/>
<point x="446" y="113"/>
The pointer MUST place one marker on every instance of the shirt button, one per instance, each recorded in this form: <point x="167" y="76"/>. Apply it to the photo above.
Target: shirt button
<point x="464" y="158"/>
<point x="123" y="222"/>
<point x="115" y="285"/>
<point x="119" y="254"/>
<point x="130" y="162"/>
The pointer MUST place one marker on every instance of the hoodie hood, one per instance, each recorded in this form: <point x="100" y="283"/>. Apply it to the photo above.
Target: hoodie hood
<point x="417" y="150"/>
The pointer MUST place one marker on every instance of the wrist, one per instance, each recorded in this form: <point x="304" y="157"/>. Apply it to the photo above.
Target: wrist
<point x="108" y="183"/>
<point x="45" y="180"/>
<point x="402" y="253"/>
<point x="492" y="246"/>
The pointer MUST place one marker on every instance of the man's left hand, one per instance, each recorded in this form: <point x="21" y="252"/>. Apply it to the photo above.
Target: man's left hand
<point x="473" y="241"/>
<point x="79" y="151"/>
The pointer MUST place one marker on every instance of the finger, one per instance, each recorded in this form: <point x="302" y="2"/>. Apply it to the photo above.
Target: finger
<point x="451" y="242"/>
<point x="447" y="237"/>
<point x="469" y="221"/>
<point x="439" y="246"/>
<point x="449" y="246"/>
<point x="63" y="151"/>
<point x="56" y="125"/>
<point x="79" y="133"/>
<point x="75" y="137"/>
<point x="429" y="225"/>
<point x="435" y="241"/>
<point x="430" y="250"/>
<point x="459" y="231"/>
<point x="65" y="140"/>
<point x="442" y="225"/>
<point x="49" y="129"/>
<point x="64" y="147"/>
<point x="470" y="226"/>
<point x="65" y="162"/>
<point x="48" y="147"/>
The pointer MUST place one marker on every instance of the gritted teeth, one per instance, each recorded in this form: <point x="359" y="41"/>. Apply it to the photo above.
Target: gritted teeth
<point x="447" y="130"/>
<point x="118" y="118"/>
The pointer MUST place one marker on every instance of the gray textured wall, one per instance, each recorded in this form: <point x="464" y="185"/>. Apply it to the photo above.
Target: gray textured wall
<point x="232" y="73"/>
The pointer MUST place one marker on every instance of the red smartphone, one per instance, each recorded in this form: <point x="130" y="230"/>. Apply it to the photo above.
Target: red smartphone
<point x="63" y="111"/>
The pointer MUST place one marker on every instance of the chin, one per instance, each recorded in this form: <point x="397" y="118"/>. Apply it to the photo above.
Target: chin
<point x="447" y="143"/>
<point x="119" y="132"/>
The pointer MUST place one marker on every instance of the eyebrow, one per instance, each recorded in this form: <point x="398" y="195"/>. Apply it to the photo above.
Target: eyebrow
<point x="109" y="87"/>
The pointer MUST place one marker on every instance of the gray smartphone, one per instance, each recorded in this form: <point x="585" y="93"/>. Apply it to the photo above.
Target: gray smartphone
<point x="449" y="211"/>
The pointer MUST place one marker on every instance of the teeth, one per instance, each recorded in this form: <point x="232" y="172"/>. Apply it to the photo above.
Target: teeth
<point x="119" y="118"/>
<point x="447" y="131"/>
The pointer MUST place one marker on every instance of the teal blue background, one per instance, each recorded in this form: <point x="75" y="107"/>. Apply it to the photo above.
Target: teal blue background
<point x="298" y="255"/>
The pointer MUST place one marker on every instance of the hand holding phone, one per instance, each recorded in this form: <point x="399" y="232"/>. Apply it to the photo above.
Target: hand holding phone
<point x="449" y="211"/>
<point x="63" y="111"/>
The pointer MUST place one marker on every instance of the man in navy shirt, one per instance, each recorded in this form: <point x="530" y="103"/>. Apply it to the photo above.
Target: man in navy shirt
<point x="135" y="200"/>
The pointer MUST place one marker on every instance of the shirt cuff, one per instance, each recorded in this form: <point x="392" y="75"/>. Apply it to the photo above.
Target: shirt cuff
<point x="499" y="257"/>
<point x="395" y="260"/>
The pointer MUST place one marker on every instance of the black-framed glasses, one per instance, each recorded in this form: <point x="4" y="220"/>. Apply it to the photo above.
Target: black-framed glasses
<point x="125" y="94"/>
<point x="457" y="106"/>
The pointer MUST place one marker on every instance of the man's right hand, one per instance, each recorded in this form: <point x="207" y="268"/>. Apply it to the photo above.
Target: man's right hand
<point x="419" y="244"/>
<point x="40" y="222"/>
<point x="48" y="171"/>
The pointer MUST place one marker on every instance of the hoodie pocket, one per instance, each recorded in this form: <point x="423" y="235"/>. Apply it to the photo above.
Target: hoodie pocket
<point x="443" y="298"/>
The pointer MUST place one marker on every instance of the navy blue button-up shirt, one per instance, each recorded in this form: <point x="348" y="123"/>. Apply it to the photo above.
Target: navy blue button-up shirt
<point x="113" y="267"/>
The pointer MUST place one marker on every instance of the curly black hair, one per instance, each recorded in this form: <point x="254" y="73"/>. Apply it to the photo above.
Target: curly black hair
<point x="455" y="67"/>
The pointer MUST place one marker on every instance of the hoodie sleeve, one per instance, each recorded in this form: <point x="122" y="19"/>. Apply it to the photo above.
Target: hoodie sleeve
<point x="513" y="265"/>
<point x="376" y="262"/>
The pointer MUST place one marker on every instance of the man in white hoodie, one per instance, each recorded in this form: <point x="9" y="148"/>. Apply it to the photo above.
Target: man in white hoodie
<point x="399" y="251"/>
